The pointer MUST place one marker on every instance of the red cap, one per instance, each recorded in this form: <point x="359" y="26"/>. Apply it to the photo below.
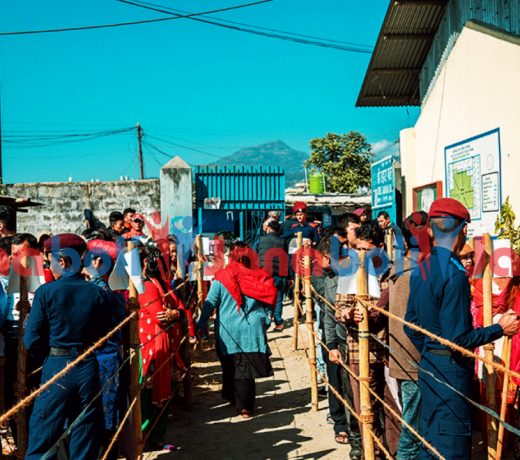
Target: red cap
<point x="360" y="211"/>
<point x="137" y="216"/>
<point x="448" y="207"/>
<point x="66" y="240"/>
<point x="299" y="206"/>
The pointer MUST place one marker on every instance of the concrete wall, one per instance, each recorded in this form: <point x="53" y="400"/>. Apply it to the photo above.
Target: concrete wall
<point x="476" y="91"/>
<point x="64" y="202"/>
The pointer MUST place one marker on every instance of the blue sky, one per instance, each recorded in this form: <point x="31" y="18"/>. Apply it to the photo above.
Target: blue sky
<point x="197" y="85"/>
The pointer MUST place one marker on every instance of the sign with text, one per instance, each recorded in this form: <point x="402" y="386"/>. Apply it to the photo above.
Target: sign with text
<point x="383" y="187"/>
<point x="473" y="177"/>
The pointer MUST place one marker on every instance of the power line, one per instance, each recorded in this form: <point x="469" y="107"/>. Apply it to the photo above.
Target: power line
<point x="184" y="147"/>
<point x="131" y="23"/>
<point x="350" y="48"/>
<point x="313" y="37"/>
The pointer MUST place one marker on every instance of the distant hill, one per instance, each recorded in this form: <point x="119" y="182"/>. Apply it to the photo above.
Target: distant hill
<point x="276" y="153"/>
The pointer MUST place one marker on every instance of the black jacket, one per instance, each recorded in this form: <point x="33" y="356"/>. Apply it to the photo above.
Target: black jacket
<point x="276" y="262"/>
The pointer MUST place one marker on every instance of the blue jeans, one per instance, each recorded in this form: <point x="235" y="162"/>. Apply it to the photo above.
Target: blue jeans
<point x="411" y="401"/>
<point x="279" y="282"/>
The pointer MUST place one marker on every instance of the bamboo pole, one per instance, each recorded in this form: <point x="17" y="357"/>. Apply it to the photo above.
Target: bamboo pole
<point x="309" y="321"/>
<point x="296" y="292"/>
<point x="21" y="383"/>
<point x="503" y="402"/>
<point x="135" y="367"/>
<point x="389" y="242"/>
<point x="200" y="274"/>
<point x="367" y="415"/>
<point x="489" y="348"/>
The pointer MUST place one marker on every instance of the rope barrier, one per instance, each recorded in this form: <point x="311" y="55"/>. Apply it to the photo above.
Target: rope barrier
<point x="348" y="406"/>
<point x="28" y="399"/>
<point x="119" y="429"/>
<point x="485" y="409"/>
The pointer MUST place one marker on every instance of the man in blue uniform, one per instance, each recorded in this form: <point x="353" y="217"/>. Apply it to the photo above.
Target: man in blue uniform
<point x="440" y="302"/>
<point x="307" y="229"/>
<point x="67" y="316"/>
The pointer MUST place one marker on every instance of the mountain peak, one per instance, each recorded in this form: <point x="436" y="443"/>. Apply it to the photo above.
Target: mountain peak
<point x="275" y="153"/>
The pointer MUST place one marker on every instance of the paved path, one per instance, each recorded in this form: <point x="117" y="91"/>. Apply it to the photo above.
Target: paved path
<point x="284" y="427"/>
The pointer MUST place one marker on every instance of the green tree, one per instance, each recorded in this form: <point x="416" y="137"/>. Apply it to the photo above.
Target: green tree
<point x="505" y="226"/>
<point x="344" y="159"/>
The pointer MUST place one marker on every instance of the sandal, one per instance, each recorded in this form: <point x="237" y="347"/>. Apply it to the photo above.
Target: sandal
<point x="8" y="444"/>
<point x="244" y="413"/>
<point x="341" y="438"/>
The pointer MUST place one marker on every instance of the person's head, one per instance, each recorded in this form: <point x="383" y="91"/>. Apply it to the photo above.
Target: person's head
<point x="324" y="250"/>
<point x="153" y="263"/>
<point x="172" y="248"/>
<point x="117" y="221"/>
<point x="414" y="229"/>
<point x="383" y="219"/>
<point x="369" y="235"/>
<point x="7" y="221"/>
<point x="241" y="252"/>
<point x="273" y="227"/>
<point x="467" y="257"/>
<point x="5" y="255"/>
<point x="362" y="213"/>
<point x="61" y="249"/>
<point x="350" y="222"/>
<point x="128" y="213"/>
<point x="340" y="233"/>
<point x="22" y="241"/>
<point x="137" y="222"/>
<point x="448" y="220"/>
<point x="299" y="210"/>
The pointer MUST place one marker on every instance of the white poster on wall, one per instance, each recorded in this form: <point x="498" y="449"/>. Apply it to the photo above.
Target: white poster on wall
<point x="473" y="177"/>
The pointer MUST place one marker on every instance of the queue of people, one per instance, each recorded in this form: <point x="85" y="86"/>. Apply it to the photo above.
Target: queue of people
<point x="429" y="282"/>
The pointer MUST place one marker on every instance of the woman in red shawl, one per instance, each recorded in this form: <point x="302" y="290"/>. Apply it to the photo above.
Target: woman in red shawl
<point x="159" y="337"/>
<point x="243" y="296"/>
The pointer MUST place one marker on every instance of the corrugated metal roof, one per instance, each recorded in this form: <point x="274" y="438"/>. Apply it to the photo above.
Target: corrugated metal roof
<point x="392" y="78"/>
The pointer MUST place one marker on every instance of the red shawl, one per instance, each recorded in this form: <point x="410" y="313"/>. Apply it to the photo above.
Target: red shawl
<point x="242" y="281"/>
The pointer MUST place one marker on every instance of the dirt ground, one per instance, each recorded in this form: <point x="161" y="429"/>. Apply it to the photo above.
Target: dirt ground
<point x="284" y="427"/>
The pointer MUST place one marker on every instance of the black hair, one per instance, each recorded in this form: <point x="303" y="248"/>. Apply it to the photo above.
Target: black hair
<point x="172" y="239"/>
<point x="383" y="214"/>
<point x="324" y="245"/>
<point x="340" y="231"/>
<point x="5" y="244"/>
<point x="349" y="218"/>
<point x="371" y="231"/>
<point x="115" y="216"/>
<point x="128" y="210"/>
<point x="274" y="226"/>
<point x="417" y="220"/>
<point x="235" y="254"/>
<point x="8" y="217"/>
<point x="97" y="234"/>
<point x="41" y="241"/>
<point x="20" y="238"/>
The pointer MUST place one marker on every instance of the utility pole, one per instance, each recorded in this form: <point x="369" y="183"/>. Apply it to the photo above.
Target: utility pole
<point x="140" y="145"/>
<point x="1" y="158"/>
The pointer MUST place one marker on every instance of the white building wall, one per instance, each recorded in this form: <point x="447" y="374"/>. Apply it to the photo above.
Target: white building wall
<point x="477" y="90"/>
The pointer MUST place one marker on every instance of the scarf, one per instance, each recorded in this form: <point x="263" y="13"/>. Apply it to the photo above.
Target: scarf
<point x="242" y="281"/>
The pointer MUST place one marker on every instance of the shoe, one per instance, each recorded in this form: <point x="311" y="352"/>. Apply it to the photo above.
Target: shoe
<point x="244" y="413"/>
<point x="355" y="452"/>
<point x="278" y="328"/>
<point x="322" y="390"/>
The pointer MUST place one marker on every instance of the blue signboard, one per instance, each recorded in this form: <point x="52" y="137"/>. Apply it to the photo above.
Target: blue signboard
<point x="383" y="187"/>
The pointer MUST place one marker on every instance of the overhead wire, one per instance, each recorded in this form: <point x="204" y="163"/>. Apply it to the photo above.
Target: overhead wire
<point x="269" y="29"/>
<point x="131" y="23"/>
<point x="181" y="146"/>
<point x="349" y="48"/>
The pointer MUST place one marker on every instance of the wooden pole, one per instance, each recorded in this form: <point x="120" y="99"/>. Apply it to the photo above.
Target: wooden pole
<point x="200" y="274"/>
<point x="21" y="383"/>
<point x="135" y="367"/>
<point x="309" y="321"/>
<point x="389" y="242"/>
<point x="296" y="292"/>
<point x="503" y="402"/>
<point x="490" y="347"/>
<point x="367" y="416"/>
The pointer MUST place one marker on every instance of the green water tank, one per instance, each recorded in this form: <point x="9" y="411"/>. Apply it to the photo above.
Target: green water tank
<point x="316" y="183"/>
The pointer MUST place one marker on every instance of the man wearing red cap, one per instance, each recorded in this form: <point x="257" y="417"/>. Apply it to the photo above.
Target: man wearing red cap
<point x="67" y="316"/>
<point x="136" y="232"/>
<point x="440" y="303"/>
<point x="307" y="229"/>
